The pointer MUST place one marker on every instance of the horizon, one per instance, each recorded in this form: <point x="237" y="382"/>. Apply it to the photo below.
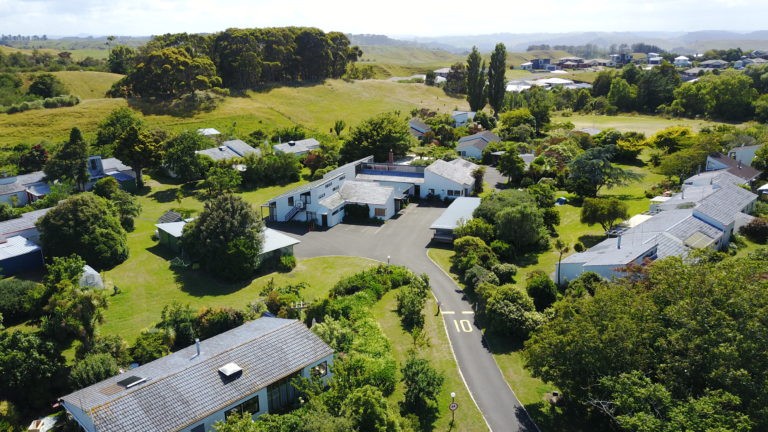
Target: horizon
<point x="396" y="19"/>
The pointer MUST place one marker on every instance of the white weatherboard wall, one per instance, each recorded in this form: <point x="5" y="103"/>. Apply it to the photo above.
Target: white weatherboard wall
<point x="440" y="185"/>
<point x="219" y="415"/>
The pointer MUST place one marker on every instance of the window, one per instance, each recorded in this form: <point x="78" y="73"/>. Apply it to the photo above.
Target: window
<point x="450" y="192"/>
<point x="250" y="406"/>
<point x="342" y="178"/>
<point x="336" y="188"/>
<point x="320" y="370"/>
<point x="327" y="185"/>
<point x="282" y="394"/>
<point x="380" y="212"/>
<point x="290" y="201"/>
<point x="322" y="195"/>
<point x="198" y="428"/>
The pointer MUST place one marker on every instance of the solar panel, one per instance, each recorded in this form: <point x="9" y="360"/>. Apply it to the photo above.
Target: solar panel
<point x="131" y="381"/>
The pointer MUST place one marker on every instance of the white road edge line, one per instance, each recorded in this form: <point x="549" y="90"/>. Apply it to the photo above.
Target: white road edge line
<point x="467" y="312"/>
<point x="446" y="312"/>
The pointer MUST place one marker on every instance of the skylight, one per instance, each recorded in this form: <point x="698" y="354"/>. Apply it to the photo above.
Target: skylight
<point x="230" y="369"/>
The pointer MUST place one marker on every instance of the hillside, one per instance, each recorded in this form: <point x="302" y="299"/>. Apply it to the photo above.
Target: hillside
<point x="87" y="84"/>
<point x="403" y="60"/>
<point x="316" y="107"/>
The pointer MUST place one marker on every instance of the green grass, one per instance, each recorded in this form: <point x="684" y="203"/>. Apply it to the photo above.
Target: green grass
<point x="87" y="84"/>
<point x="468" y="417"/>
<point x="646" y="124"/>
<point x="404" y="61"/>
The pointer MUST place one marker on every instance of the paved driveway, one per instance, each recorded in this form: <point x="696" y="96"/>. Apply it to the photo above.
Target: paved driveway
<point x="405" y="240"/>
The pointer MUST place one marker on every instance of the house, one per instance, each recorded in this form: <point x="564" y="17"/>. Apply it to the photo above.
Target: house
<point x="23" y="189"/>
<point x="744" y="154"/>
<point x="379" y="199"/>
<point x="111" y="167"/>
<point x="449" y="179"/>
<point x="654" y="59"/>
<point x="473" y="145"/>
<point x="460" y="211"/>
<point x="517" y="86"/>
<point x="229" y="150"/>
<point x="418" y="128"/>
<point x="714" y="64"/>
<point x="248" y="368"/>
<point x="621" y="59"/>
<point x="442" y="72"/>
<point x="719" y="161"/>
<point x="682" y="62"/>
<point x="704" y="214"/>
<point x="19" y="254"/>
<point x="23" y="226"/>
<point x="298" y="147"/>
<point x="541" y="64"/>
<point x="209" y="132"/>
<point x="526" y="66"/>
<point x="460" y="118"/>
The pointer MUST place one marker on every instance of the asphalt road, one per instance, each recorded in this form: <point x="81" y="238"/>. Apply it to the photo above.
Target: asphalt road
<point x="404" y="240"/>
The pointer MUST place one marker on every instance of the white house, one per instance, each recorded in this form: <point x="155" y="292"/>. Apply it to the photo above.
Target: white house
<point x="460" y="118"/>
<point x="298" y="147"/>
<point x="473" y="145"/>
<point x="682" y="61"/>
<point x="527" y="66"/>
<point x="448" y="179"/>
<point x="379" y="199"/>
<point x="248" y="368"/>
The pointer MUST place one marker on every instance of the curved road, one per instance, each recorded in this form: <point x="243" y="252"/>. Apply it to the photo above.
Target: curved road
<point x="405" y="240"/>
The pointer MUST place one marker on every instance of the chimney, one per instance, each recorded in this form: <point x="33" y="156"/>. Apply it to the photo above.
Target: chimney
<point x="391" y="157"/>
<point x="618" y="243"/>
<point x="197" y="347"/>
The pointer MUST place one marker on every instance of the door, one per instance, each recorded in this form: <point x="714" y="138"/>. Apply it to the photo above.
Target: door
<point x="324" y="221"/>
<point x="417" y="191"/>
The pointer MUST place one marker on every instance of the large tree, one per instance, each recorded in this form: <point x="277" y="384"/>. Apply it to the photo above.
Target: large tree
<point x="377" y="136"/>
<point x="592" y="170"/>
<point x="86" y="225"/>
<point x="169" y="73"/>
<point x="602" y="211"/>
<point x="497" y="85"/>
<point x="120" y="60"/>
<point x="69" y="163"/>
<point x="139" y="149"/>
<point x="512" y="166"/>
<point x="180" y="158"/>
<point x="475" y="80"/>
<point x="226" y="238"/>
<point x="114" y="126"/>
<point x="522" y="226"/>
<point x="456" y="81"/>
<point x="32" y="370"/>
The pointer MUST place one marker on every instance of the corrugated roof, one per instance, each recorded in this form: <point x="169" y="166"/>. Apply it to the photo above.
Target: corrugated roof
<point x="17" y="246"/>
<point x="175" y="229"/>
<point x="181" y="389"/>
<point x="461" y="209"/>
<point x="724" y="204"/>
<point x="229" y="150"/>
<point x="170" y="216"/>
<point x="299" y="146"/>
<point x="486" y="136"/>
<point x="25" y="222"/>
<point x="743" y="171"/>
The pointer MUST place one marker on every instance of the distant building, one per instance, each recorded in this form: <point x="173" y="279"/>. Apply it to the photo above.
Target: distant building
<point x="209" y="132"/>
<point x="248" y="368"/>
<point x="19" y="243"/>
<point x="460" y="118"/>
<point x="298" y="147"/>
<point x="719" y="161"/>
<point x="682" y="62"/>
<point x="714" y="64"/>
<point x="418" y="128"/>
<point x="473" y="145"/>
<point x="442" y="72"/>
<point x="744" y="154"/>
<point x="230" y="150"/>
<point x="99" y="168"/>
<point x="23" y="189"/>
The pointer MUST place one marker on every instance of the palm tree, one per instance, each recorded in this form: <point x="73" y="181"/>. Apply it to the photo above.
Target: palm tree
<point x="561" y="248"/>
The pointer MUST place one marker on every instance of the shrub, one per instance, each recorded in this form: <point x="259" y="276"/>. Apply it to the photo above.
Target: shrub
<point x="20" y="300"/>
<point x="150" y="345"/>
<point x="510" y="311"/>
<point x="410" y="306"/>
<point x="472" y="251"/>
<point x="542" y="289"/>
<point x="92" y="369"/>
<point x="756" y="230"/>
<point x="477" y="275"/>
<point x="505" y="272"/>
<point x="579" y="247"/>
<point x="287" y="263"/>
<point x="210" y="322"/>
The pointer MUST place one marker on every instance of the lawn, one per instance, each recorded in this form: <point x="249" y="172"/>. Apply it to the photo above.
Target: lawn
<point x="629" y="122"/>
<point x="87" y="84"/>
<point x="468" y="417"/>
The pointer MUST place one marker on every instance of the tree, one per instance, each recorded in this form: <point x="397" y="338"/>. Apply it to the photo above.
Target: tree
<point x="539" y="102"/>
<point x="562" y="248"/>
<point x="602" y="84"/>
<point x="761" y="108"/>
<point x="541" y="289"/>
<point x="150" y="345"/>
<point x="180" y="158"/>
<point x="497" y="85"/>
<point x="422" y="384"/>
<point x="139" y="149"/>
<point x="32" y="370"/>
<point x="92" y="369"/>
<point x="672" y="139"/>
<point x="478" y="174"/>
<point x="70" y="161"/>
<point x="522" y="226"/>
<point x="120" y="60"/>
<point x="510" y="120"/>
<point x="761" y="158"/>
<point x="656" y="87"/>
<point x="226" y="238"/>
<point x="114" y="126"/>
<point x="46" y="86"/>
<point x="430" y="78"/>
<point x="592" y="170"/>
<point x="221" y="179"/>
<point x="369" y="410"/>
<point x="377" y="136"/>
<point x="512" y="166"/>
<point x="475" y="80"/>
<point x="622" y="95"/>
<point x="168" y="73"/>
<point x="127" y="205"/>
<point x="84" y="224"/>
<point x="475" y="227"/>
<point x="606" y="212"/>
<point x="338" y="127"/>
<point x="33" y="159"/>
<point x="511" y="312"/>
<point x="456" y="81"/>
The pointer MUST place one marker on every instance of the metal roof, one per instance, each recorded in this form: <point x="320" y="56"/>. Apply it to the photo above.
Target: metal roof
<point x="295" y="147"/>
<point x="17" y="246"/>
<point x="174" y="229"/>
<point x="20" y="183"/>
<point x="182" y="388"/>
<point x="208" y="132"/>
<point x="274" y="240"/>
<point x="360" y="192"/>
<point x="457" y="170"/>
<point x="486" y="136"/>
<point x="229" y="150"/>
<point x="23" y="223"/>
<point x="461" y="209"/>
<point x="724" y="204"/>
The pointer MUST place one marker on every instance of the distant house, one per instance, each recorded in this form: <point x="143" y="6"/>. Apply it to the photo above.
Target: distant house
<point x="473" y="145"/>
<point x="744" y="154"/>
<point x="705" y="214"/>
<point x="526" y="66"/>
<point x="621" y="59"/>
<point x="541" y="64"/>
<point x="714" y="64"/>
<point x="229" y="150"/>
<point x="442" y="72"/>
<point x="19" y="244"/>
<point x="460" y="211"/>
<point x="111" y="167"/>
<point x="460" y="118"/>
<point x="23" y="189"/>
<point x="248" y="368"/>
<point x="449" y="179"/>
<point x="682" y="62"/>
<point x="719" y="161"/>
<point x="209" y="132"/>
<point x="298" y="147"/>
<point x="418" y="128"/>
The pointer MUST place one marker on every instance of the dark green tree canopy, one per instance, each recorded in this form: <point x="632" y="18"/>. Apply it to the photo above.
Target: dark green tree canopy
<point x="592" y="170"/>
<point x="475" y="80"/>
<point x="46" y="86"/>
<point x="377" y="136"/>
<point x="226" y="238"/>
<point x="180" y="158"/>
<point x="86" y="225"/>
<point x="497" y="84"/>
<point x="69" y="163"/>
<point x="605" y="212"/>
<point x="114" y="126"/>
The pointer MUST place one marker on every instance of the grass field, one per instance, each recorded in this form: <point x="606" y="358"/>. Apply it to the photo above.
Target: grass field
<point x="87" y="84"/>
<point x="630" y="122"/>
<point x="468" y="417"/>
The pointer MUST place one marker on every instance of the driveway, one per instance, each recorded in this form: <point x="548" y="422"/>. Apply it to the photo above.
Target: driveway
<point x="405" y="240"/>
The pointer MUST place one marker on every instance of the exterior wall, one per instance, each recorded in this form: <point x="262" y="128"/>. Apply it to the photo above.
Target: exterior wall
<point x="315" y="194"/>
<point x="21" y="263"/>
<point x="21" y="198"/>
<point x="80" y="416"/>
<point x="441" y="186"/>
<point x="470" y="151"/>
<point x="744" y="155"/>
<point x="168" y="240"/>
<point x="569" y="271"/>
<point x="219" y="415"/>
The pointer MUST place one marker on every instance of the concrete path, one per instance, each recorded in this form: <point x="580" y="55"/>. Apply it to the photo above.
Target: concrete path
<point x="405" y="240"/>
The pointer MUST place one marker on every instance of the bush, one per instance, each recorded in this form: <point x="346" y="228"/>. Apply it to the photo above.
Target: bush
<point x="410" y="306"/>
<point x="505" y="272"/>
<point x="210" y="322"/>
<point x="756" y="230"/>
<point x="477" y="275"/>
<point x="150" y="345"/>
<point x="542" y="289"/>
<point x="510" y="311"/>
<point x="20" y="300"/>
<point x="287" y="263"/>
<point x="92" y="369"/>
<point x="472" y="251"/>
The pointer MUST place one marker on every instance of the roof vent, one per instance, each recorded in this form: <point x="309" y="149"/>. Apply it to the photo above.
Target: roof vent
<point x="291" y="143"/>
<point x="222" y="148"/>
<point x="230" y="369"/>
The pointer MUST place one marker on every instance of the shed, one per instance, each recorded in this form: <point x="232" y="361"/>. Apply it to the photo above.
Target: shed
<point x="169" y="234"/>
<point x="460" y="210"/>
<point x="91" y="278"/>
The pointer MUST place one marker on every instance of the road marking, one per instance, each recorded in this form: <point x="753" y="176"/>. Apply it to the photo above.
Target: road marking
<point x="447" y="312"/>
<point x="463" y="326"/>
<point x="467" y="312"/>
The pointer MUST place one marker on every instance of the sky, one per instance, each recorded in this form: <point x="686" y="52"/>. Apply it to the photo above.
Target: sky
<point x="390" y="17"/>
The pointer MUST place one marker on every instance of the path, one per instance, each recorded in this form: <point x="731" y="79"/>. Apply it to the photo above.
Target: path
<point x="404" y="240"/>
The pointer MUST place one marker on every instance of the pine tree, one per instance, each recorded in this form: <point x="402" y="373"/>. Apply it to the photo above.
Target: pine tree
<point x="496" y="83"/>
<point x="475" y="81"/>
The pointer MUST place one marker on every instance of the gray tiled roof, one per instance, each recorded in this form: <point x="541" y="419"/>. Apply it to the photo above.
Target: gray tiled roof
<point x="457" y="170"/>
<point x="486" y="136"/>
<point x="299" y="146"/>
<point x="182" y="389"/>
<point x="25" y="222"/>
<point x="19" y="183"/>
<point x="229" y="150"/>
<point x="417" y="127"/>
<point x="727" y="202"/>
<point x="360" y="192"/>
<point x="740" y="170"/>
